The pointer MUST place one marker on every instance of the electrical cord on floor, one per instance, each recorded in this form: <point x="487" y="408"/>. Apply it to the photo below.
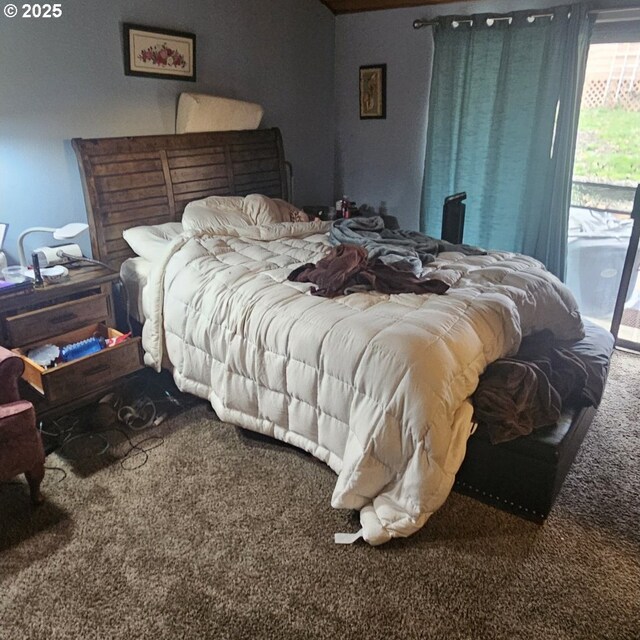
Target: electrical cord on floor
<point x="141" y="415"/>
<point x="62" y="429"/>
<point x="79" y="436"/>
<point x="137" y="448"/>
<point x="15" y="483"/>
<point x="65" y="431"/>
<point x="152" y="404"/>
<point x="137" y="416"/>
<point x="60" y="469"/>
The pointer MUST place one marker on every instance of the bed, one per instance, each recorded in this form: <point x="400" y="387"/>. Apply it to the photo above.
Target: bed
<point x="375" y="386"/>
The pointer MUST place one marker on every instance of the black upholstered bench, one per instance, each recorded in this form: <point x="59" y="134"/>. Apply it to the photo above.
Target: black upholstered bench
<point x="524" y="476"/>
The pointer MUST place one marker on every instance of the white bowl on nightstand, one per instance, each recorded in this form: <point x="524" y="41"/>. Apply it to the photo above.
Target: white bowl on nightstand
<point x="52" y="275"/>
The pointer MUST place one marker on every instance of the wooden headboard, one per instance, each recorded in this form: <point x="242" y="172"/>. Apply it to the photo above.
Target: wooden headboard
<point x="150" y="179"/>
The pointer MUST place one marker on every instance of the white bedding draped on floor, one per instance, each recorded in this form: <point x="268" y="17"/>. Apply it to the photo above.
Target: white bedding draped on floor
<point x="376" y="386"/>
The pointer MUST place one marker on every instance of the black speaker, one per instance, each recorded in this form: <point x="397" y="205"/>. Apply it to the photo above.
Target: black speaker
<point x="453" y="217"/>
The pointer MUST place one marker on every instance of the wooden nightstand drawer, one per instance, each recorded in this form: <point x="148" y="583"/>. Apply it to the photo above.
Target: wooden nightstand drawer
<point x="34" y="326"/>
<point x="79" y="377"/>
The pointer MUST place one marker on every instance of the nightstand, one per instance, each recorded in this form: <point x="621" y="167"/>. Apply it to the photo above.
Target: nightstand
<point x="63" y="313"/>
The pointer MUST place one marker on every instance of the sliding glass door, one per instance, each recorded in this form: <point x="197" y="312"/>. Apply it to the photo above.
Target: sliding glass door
<point x="606" y="174"/>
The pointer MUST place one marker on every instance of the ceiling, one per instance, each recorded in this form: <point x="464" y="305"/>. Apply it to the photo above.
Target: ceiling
<point x="353" y="6"/>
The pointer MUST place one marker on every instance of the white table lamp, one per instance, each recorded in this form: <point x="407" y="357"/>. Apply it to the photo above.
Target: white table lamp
<point x="67" y="232"/>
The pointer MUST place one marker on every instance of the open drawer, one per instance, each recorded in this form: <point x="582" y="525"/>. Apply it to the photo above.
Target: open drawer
<point x="82" y="376"/>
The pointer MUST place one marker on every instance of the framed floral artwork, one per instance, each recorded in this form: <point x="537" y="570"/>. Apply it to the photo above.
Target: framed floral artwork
<point x="159" y="53"/>
<point x="373" y="91"/>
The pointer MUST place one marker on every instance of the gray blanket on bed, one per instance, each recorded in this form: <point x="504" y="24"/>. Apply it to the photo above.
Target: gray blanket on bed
<point x="409" y="250"/>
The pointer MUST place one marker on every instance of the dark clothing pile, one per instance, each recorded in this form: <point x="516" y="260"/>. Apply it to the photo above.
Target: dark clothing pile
<point x="409" y="250"/>
<point x="517" y="395"/>
<point x="348" y="269"/>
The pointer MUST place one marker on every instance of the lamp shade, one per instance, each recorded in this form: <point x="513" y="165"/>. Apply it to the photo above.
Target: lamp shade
<point x="70" y="230"/>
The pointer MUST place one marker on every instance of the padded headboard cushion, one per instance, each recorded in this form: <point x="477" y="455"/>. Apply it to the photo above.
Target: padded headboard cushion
<point x="200" y="112"/>
<point x="149" y="179"/>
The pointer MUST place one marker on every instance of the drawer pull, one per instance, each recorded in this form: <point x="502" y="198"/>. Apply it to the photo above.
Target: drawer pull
<point x="65" y="317"/>
<point x="96" y="370"/>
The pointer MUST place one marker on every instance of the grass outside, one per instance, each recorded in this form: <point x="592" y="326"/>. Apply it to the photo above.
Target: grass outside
<point x="608" y="147"/>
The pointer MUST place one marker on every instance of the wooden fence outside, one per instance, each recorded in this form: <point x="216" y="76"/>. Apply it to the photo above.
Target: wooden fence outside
<point x="613" y="76"/>
<point x="624" y="94"/>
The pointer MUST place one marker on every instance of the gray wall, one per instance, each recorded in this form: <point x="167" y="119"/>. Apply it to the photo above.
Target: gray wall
<point x="63" y="78"/>
<point x="383" y="160"/>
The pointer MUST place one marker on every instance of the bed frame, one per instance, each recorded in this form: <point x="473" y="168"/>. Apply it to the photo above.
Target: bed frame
<point x="149" y="180"/>
<point x="146" y="180"/>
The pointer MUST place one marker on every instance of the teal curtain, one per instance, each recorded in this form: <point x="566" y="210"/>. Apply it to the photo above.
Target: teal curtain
<point x="503" y="115"/>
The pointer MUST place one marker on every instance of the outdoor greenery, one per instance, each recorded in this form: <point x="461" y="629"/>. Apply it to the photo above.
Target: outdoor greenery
<point x="608" y="148"/>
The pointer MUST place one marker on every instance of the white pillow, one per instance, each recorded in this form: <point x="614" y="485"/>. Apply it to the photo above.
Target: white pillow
<point x="215" y="212"/>
<point x="222" y="212"/>
<point x="150" y="241"/>
<point x="264" y="210"/>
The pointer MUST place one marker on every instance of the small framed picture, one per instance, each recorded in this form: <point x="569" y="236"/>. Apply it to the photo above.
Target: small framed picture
<point x="373" y="91"/>
<point x="159" y="53"/>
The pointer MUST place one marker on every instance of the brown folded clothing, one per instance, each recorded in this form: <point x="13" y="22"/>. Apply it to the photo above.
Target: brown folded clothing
<point x="517" y="395"/>
<point x="514" y="398"/>
<point x="565" y="370"/>
<point x="347" y="269"/>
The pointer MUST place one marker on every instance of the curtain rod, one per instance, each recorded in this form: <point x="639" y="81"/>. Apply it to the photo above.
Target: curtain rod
<point x="418" y="24"/>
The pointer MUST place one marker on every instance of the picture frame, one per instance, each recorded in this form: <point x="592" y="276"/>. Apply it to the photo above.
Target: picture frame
<point x="153" y="52"/>
<point x="373" y="92"/>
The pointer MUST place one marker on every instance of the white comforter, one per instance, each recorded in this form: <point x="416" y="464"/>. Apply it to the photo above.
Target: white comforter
<point x="376" y="386"/>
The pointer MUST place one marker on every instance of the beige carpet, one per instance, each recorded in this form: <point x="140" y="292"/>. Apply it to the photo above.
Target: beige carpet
<point x="223" y="536"/>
